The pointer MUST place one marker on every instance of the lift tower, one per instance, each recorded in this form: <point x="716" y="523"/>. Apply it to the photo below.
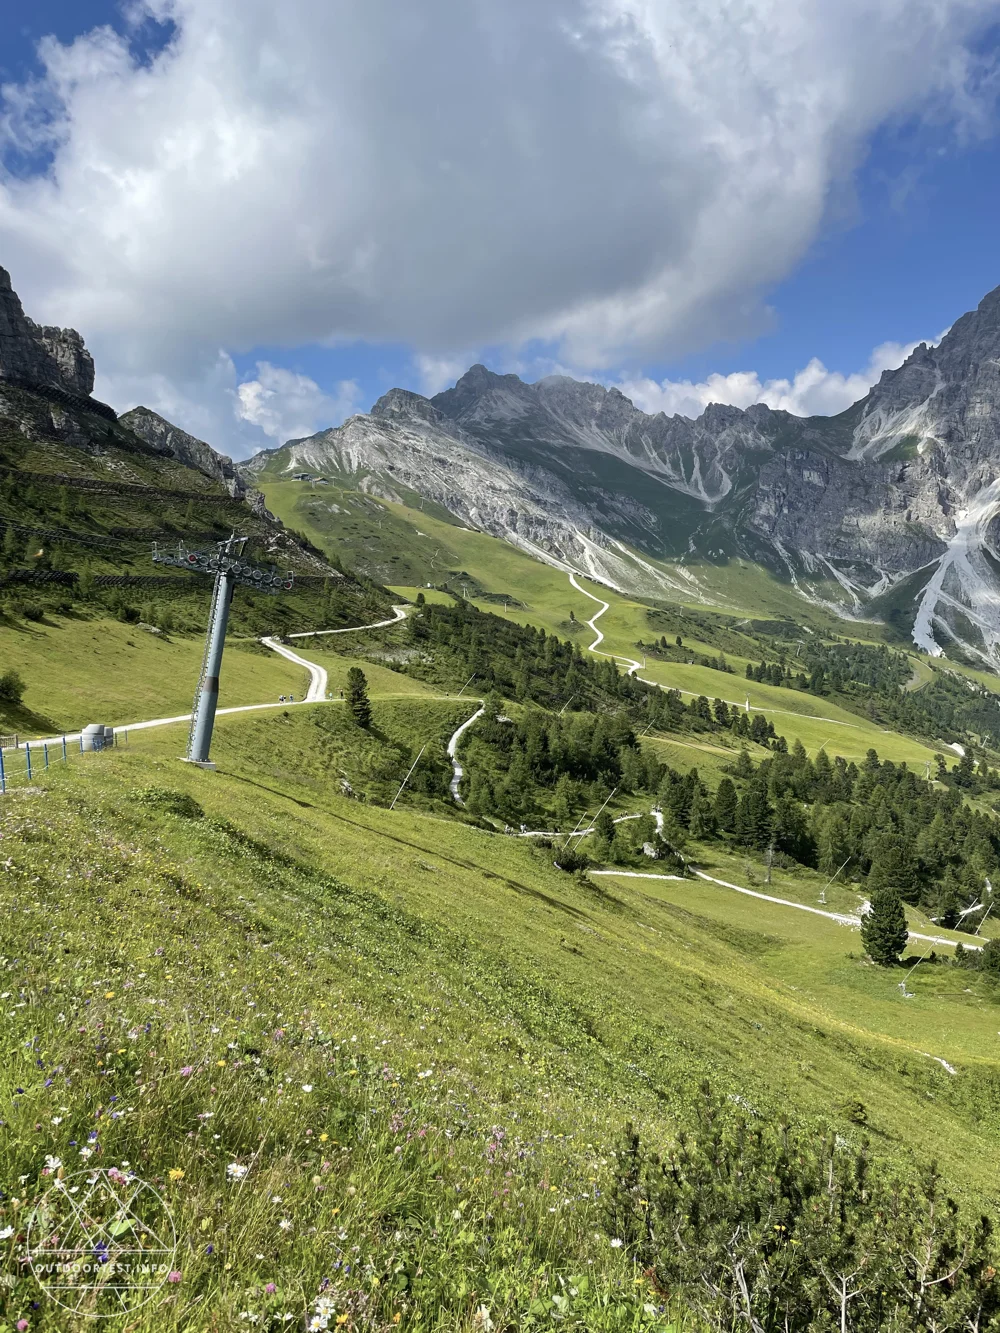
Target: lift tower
<point x="229" y="568"/>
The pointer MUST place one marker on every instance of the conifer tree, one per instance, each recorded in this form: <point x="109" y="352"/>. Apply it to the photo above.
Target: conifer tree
<point x="357" y="697"/>
<point x="702" y="819"/>
<point x="725" y="805"/>
<point x="883" y="929"/>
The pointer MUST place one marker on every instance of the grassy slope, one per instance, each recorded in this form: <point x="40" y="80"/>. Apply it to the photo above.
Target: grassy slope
<point x="548" y="598"/>
<point x="81" y="670"/>
<point x="552" y="1008"/>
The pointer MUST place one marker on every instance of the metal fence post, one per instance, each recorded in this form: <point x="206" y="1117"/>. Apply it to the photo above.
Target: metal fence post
<point x="3" y="775"/>
<point x="64" y="749"/>
<point x="27" y="756"/>
<point x="45" y="752"/>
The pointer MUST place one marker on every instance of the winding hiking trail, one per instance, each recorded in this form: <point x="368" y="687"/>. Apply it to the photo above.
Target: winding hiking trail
<point x="634" y="666"/>
<point x="317" y="674"/>
<point x="457" y="771"/>
<point x="315" y="693"/>
<point x="401" y="614"/>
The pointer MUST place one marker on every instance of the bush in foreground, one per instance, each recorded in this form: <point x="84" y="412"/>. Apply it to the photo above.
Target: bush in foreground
<point x="755" y="1226"/>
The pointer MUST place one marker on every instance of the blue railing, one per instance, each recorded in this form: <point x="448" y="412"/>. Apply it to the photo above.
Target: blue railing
<point x="37" y="756"/>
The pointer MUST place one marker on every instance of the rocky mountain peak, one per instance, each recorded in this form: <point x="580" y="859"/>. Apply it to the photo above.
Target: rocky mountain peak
<point x="402" y="403"/>
<point x="40" y="356"/>
<point x="482" y="391"/>
<point x="169" y="439"/>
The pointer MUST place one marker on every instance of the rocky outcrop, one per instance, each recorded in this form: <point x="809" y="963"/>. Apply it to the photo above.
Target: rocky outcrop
<point x="40" y="356"/>
<point x="170" y="440"/>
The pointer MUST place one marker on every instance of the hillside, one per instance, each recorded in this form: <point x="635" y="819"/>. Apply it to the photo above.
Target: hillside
<point x="400" y="1010"/>
<point x="420" y="1040"/>
<point x="886" y="510"/>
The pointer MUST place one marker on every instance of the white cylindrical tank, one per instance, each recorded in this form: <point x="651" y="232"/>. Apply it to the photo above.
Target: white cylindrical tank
<point x="92" y="736"/>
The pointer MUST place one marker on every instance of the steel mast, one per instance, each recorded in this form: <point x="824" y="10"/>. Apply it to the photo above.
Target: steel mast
<point x="229" y="569"/>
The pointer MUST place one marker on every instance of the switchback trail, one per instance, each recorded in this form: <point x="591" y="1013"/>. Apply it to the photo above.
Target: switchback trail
<point x="841" y="918"/>
<point x="634" y="666"/>
<point x="317" y="674"/>
<point x="457" y="771"/>
<point x="401" y="613"/>
<point x="315" y="693"/>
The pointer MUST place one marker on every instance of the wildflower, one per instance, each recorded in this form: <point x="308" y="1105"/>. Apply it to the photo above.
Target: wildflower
<point x="175" y="1173"/>
<point x="235" y="1171"/>
<point x="6" y="1233"/>
<point x="270" y="1289"/>
<point x="52" y="1163"/>
<point x="57" y="1119"/>
<point x="285" y="1224"/>
<point x="21" y="1325"/>
<point x="221" y="1064"/>
<point x="109" y="995"/>
<point x="307" y="1087"/>
<point x="187" y="1071"/>
<point x="174" y="1275"/>
<point x="323" y="1138"/>
<point x="616" y="1244"/>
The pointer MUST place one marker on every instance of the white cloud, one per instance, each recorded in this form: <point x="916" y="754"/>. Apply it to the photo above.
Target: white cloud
<point x="440" y="372"/>
<point x="622" y="178"/>
<point x="812" y="391"/>
<point x="288" y="406"/>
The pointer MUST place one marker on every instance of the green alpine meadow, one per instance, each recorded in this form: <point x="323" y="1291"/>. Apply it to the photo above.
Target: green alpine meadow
<point x="523" y="857"/>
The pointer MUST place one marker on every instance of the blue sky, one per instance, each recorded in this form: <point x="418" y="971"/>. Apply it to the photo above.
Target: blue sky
<point x="261" y="225"/>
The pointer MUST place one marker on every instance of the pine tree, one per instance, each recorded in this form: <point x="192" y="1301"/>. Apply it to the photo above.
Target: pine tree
<point x="725" y="806"/>
<point x="357" y="697"/>
<point x="883" y="929"/>
<point x="744" y="764"/>
<point x="893" y="866"/>
<point x="702" y="820"/>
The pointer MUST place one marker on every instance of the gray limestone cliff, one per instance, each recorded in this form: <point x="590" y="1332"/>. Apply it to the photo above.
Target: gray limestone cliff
<point x="169" y="439"/>
<point x="41" y="357"/>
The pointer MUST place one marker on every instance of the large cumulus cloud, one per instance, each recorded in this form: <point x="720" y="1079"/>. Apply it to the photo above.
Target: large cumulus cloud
<point x="622" y="178"/>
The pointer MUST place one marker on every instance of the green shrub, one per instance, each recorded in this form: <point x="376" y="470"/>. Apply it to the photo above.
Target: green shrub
<point x="752" y="1225"/>
<point x="174" y="802"/>
<point x="12" y="687"/>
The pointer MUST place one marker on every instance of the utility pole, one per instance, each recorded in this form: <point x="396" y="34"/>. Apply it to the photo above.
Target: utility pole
<point x="206" y="699"/>
<point x="229" y="568"/>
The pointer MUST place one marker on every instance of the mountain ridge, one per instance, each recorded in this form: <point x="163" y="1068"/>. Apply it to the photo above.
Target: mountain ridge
<point x="904" y="482"/>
